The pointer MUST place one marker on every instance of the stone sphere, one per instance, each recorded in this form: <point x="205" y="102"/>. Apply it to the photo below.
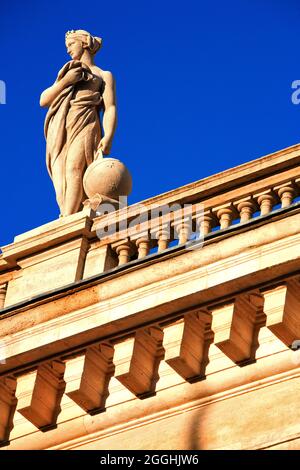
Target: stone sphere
<point x="107" y="177"/>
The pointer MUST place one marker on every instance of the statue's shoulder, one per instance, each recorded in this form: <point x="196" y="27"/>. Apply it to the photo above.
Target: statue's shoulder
<point x="106" y="75"/>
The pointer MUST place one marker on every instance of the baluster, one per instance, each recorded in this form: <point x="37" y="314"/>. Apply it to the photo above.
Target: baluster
<point x="225" y="217"/>
<point x="123" y="252"/>
<point x="266" y="200"/>
<point x="286" y="192"/>
<point x="124" y="249"/>
<point x="225" y="214"/>
<point x="206" y="222"/>
<point x="246" y="208"/>
<point x="183" y="229"/>
<point x="163" y="239"/>
<point x="143" y="246"/>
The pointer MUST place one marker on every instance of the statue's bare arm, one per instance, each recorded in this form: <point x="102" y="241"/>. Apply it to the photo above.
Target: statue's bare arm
<point x="49" y="95"/>
<point x="110" y="112"/>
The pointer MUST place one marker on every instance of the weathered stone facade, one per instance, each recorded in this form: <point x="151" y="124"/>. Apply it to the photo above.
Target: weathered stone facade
<point x="134" y="341"/>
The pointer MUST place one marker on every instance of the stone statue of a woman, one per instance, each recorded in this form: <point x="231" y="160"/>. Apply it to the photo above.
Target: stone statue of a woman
<point x="72" y="125"/>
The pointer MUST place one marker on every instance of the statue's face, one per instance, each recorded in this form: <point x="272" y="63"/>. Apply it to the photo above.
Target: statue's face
<point x="74" y="48"/>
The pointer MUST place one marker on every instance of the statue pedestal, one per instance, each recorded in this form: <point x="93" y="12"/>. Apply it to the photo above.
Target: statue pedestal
<point x="54" y="255"/>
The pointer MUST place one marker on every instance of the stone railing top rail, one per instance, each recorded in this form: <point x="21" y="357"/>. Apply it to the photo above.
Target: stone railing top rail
<point x="231" y="178"/>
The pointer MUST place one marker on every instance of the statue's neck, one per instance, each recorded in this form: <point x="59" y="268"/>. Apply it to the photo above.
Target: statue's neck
<point x="87" y="58"/>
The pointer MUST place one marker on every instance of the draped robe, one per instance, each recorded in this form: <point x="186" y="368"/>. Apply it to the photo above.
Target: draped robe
<point x="71" y="118"/>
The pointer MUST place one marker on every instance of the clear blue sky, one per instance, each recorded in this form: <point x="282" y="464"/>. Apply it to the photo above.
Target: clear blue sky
<point x="202" y="86"/>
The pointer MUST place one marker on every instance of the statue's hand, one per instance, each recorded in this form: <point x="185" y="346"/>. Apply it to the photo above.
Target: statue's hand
<point x="105" y="145"/>
<point x="73" y="76"/>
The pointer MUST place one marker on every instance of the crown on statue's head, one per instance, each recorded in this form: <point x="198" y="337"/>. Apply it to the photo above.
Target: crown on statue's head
<point x="70" y="32"/>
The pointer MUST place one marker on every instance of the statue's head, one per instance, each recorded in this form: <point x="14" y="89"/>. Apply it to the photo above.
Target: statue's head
<point x="79" y="40"/>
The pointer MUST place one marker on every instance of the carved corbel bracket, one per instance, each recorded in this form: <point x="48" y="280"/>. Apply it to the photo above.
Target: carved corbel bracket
<point x="184" y="344"/>
<point x="136" y="360"/>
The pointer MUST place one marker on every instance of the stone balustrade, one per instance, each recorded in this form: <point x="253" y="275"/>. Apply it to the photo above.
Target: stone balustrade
<point x="196" y="221"/>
